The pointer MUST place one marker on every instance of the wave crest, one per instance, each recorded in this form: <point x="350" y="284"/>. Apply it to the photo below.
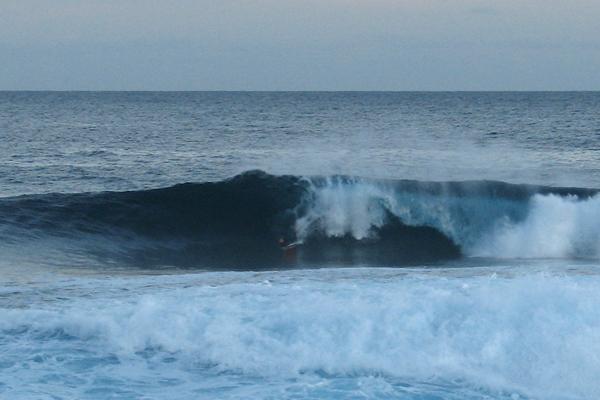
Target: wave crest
<point x="341" y="219"/>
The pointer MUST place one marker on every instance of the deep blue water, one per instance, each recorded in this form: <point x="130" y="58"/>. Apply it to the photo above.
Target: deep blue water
<point x="449" y="245"/>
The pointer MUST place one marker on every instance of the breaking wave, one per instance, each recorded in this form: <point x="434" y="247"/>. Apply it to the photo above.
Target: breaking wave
<point x="478" y="336"/>
<point x="338" y="219"/>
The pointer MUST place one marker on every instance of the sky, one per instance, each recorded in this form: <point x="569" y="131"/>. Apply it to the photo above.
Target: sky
<point x="299" y="45"/>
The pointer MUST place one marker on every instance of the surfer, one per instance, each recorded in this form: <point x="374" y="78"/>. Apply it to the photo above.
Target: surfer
<point x="289" y="249"/>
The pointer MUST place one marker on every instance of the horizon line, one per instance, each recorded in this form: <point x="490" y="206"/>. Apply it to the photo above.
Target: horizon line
<point x="299" y="91"/>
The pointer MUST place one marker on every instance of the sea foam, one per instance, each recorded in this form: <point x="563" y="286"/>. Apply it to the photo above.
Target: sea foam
<point x="532" y="334"/>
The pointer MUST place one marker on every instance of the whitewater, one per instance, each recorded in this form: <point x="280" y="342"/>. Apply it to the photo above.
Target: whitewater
<point x="448" y="245"/>
<point x="528" y="332"/>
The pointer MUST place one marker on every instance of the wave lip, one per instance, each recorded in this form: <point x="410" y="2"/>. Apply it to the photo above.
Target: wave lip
<point x="337" y="219"/>
<point x="486" y="218"/>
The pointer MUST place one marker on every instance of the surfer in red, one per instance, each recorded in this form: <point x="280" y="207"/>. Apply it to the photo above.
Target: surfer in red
<point x="289" y="249"/>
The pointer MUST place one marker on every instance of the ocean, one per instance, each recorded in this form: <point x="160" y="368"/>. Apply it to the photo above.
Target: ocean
<point x="444" y="245"/>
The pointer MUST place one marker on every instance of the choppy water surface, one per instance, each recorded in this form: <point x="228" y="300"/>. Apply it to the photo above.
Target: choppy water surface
<point x="449" y="245"/>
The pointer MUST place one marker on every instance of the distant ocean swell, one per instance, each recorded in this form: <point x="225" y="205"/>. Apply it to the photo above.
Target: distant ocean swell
<point x="338" y="219"/>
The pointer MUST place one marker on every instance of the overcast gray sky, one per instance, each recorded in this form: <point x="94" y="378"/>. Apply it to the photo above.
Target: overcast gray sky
<point x="300" y="44"/>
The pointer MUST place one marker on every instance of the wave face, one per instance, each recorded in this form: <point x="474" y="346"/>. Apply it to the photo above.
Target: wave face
<point x="337" y="219"/>
<point x="490" y="219"/>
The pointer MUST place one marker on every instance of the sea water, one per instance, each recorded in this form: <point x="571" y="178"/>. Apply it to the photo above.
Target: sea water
<point x="449" y="245"/>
